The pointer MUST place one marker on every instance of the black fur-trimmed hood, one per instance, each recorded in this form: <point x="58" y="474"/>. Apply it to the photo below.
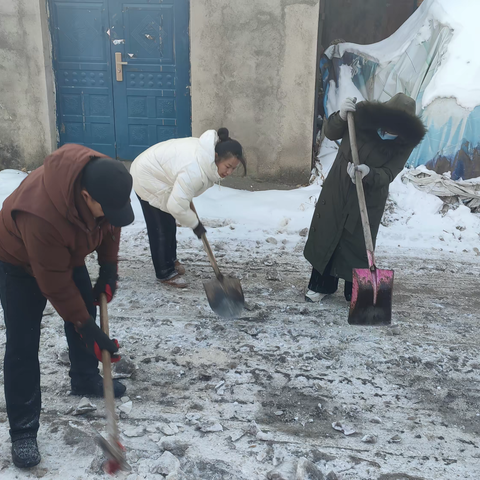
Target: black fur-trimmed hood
<point x="396" y="117"/>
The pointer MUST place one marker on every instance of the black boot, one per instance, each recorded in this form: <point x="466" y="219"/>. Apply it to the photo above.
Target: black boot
<point x="25" y="453"/>
<point x="92" y="386"/>
<point x="347" y="291"/>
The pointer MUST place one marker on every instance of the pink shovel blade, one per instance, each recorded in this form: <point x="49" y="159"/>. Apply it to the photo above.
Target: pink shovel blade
<point x="371" y="302"/>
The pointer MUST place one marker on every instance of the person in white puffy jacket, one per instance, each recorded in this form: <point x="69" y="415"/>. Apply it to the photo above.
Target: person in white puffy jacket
<point x="166" y="177"/>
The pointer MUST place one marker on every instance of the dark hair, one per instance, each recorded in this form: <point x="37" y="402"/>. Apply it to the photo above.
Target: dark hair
<point x="227" y="147"/>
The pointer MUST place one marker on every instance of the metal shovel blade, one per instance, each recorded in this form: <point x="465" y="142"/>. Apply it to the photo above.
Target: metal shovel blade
<point x="371" y="302"/>
<point x="115" y="456"/>
<point x="225" y="296"/>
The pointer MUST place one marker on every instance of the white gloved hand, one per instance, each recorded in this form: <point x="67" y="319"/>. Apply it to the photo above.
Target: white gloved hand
<point x="347" y="106"/>
<point x="363" y="169"/>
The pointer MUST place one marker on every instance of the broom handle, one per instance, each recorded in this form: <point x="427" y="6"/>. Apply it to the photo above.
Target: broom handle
<point x="208" y="249"/>
<point x="360" y="192"/>
<point x="112" y="426"/>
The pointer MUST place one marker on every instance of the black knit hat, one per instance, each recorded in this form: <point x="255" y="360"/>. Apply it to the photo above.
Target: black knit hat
<point x="109" y="183"/>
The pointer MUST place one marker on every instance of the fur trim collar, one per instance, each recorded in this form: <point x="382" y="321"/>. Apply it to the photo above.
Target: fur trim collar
<point x="375" y="115"/>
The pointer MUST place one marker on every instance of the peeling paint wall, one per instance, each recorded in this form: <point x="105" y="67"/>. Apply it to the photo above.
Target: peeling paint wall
<point x="27" y="116"/>
<point x="253" y="71"/>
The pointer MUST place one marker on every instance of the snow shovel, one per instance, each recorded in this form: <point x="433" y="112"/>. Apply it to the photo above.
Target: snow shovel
<point x="224" y="294"/>
<point x="371" y="302"/>
<point x="112" y="448"/>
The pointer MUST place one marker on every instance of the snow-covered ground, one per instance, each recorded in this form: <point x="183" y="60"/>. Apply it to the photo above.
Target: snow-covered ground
<point x="234" y="400"/>
<point x="414" y="219"/>
<point x="289" y="391"/>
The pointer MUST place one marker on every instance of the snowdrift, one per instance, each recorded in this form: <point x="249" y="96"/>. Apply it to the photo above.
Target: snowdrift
<point x="415" y="219"/>
<point x="9" y="181"/>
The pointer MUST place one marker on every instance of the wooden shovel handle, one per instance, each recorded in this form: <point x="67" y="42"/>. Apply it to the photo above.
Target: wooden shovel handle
<point x="107" y="374"/>
<point x="208" y="249"/>
<point x="360" y="192"/>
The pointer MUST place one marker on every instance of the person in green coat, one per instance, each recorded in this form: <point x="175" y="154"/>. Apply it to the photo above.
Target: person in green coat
<point x="386" y="135"/>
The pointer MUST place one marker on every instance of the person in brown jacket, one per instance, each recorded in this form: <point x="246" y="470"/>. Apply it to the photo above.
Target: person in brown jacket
<point x="71" y="206"/>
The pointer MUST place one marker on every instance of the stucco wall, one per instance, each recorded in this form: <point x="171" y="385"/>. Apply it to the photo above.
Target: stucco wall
<point x="253" y="71"/>
<point x="27" y="124"/>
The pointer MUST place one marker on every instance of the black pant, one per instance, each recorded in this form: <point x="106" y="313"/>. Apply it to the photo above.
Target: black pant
<point x="23" y="305"/>
<point x="162" y="235"/>
<point x="327" y="283"/>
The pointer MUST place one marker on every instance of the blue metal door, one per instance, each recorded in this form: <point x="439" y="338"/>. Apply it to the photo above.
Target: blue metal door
<point x="152" y="101"/>
<point x="81" y="60"/>
<point x="122" y="73"/>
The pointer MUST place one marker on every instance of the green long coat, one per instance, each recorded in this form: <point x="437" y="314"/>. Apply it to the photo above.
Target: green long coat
<point x="336" y="231"/>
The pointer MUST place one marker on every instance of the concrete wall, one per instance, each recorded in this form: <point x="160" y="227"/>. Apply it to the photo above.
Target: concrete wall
<point x="27" y="116"/>
<point x="253" y="71"/>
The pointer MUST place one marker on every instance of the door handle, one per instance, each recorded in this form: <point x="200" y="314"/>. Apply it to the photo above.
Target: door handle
<point x="118" y="66"/>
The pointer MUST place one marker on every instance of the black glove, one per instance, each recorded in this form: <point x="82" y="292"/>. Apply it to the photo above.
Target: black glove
<point x="199" y="230"/>
<point x="106" y="282"/>
<point x="96" y="340"/>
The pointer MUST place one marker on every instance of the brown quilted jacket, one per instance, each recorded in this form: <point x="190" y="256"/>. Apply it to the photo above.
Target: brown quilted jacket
<point x="47" y="228"/>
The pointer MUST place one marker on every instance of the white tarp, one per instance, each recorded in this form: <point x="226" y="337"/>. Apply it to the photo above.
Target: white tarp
<point x="432" y="58"/>
<point x="464" y="191"/>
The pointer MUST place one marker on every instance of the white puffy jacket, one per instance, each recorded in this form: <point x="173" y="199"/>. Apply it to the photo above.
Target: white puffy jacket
<point x="170" y="174"/>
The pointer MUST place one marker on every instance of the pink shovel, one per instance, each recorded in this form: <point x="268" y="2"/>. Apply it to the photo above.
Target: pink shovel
<point x="371" y="302"/>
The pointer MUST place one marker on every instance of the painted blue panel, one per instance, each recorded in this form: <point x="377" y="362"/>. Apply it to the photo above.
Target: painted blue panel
<point x="150" y="31"/>
<point x="83" y="73"/>
<point x="80" y="32"/>
<point x="165" y="133"/>
<point x="152" y="103"/>
<point x="451" y="146"/>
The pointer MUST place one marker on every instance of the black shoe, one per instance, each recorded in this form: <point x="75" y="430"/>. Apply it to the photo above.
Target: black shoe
<point x="25" y="453"/>
<point x="347" y="291"/>
<point x="93" y="387"/>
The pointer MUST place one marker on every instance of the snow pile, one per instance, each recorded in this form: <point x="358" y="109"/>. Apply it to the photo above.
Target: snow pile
<point x="9" y="181"/>
<point x="286" y="211"/>
<point x="415" y="220"/>
<point x="458" y="74"/>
